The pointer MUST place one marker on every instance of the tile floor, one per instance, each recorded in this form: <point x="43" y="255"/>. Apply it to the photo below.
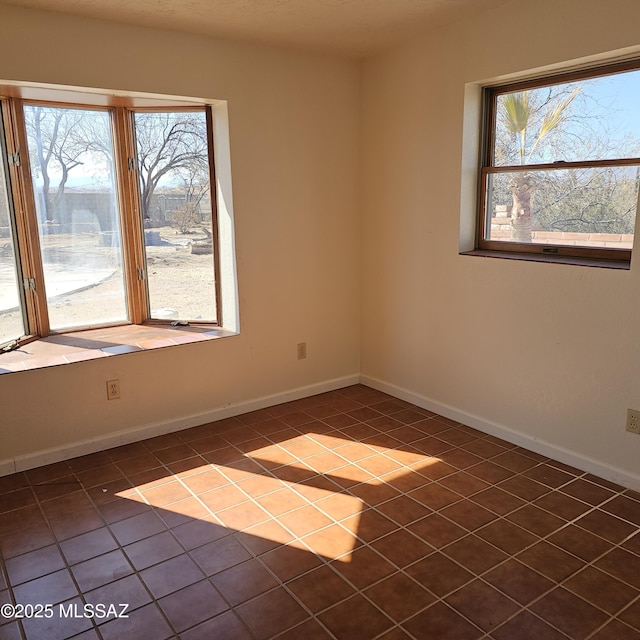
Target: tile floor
<point x="348" y="515"/>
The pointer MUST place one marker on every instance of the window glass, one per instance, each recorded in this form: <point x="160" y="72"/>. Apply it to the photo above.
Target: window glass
<point x="12" y="324"/>
<point x="563" y="165"/>
<point x="72" y="166"/>
<point x="176" y="207"/>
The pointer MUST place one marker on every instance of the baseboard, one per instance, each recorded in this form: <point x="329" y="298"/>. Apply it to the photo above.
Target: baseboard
<point x="584" y="463"/>
<point x="84" y="447"/>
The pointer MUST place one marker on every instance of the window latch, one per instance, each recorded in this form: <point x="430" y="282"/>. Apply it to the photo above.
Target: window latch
<point x="141" y="274"/>
<point x="14" y="159"/>
<point x="131" y="163"/>
<point x="29" y="284"/>
<point x="549" y="249"/>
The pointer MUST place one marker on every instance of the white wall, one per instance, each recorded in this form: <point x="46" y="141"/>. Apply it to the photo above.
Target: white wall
<point x="294" y="154"/>
<point x="551" y="352"/>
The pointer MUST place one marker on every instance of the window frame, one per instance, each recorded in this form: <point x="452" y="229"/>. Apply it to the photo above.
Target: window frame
<point x="592" y="256"/>
<point x="23" y="208"/>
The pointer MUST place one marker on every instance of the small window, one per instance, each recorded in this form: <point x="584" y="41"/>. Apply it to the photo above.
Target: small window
<point x="561" y="166"/>
<point x="107" y="216"/>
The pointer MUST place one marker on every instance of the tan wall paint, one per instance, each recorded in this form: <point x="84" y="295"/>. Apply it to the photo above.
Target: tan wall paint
<point x="294" y="154"/>
<point x="546" y="350"/>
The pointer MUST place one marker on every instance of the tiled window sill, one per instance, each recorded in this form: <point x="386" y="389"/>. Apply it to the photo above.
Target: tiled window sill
<point x="102" y="343"/>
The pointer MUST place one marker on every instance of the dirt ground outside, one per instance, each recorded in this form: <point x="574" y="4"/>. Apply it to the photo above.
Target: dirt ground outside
<point x="181" y="283"/>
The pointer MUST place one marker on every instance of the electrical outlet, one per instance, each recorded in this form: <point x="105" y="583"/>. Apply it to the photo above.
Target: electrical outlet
<point x="113" y="389"/>
<point x="633" y="421"/>
<point x="302" y="350"/>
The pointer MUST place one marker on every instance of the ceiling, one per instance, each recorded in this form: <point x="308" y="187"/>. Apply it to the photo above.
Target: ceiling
<point x="355" y="28"/>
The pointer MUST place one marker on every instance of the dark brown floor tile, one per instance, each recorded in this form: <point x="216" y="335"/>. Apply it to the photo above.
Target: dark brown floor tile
<point x="601" y="590"/>
<point x="127" y="590"/>
<point x="536" y="520"/>
<point x="137" y="528"/>
<point x="34" y="564"/>
<point x="226" y="626"/>
<point x="369" y="525"/>
<point x="288" y="562"/>
<point x="616" y="630"/>
<point x="309" y="630"/>
<point x="264" y="537"/>
<point x="13" y="482"/>
<point x="171" y="575"/>
<point x="468" y="514"/>
<point x="403" y="510"/>
<point x="435" y="496"/>
<point x="50" y="589"/>
<point x="631" y="615"/>
<point x="75" y="524"/>
<point x="439" y="574"/>
<point x="587" y="491"/>
<point x="632" y="544"/>
<point x="19" y="542"/>
<point x="88" y="545"/>
<point x="244" y="581"/>
<point x="48" y="472"/>
<point x="484" y="448"/>
<point x="271" y="613"/>
<point x="219" y="555"/>
<point x="526" y="626"/>
<point x="195" y="533"/>
<point x="475" y="554"/>
<point x="569" y="614"/>
<point x="606" y="526"/>
<point x="464" y="483"/>
<point x="355" y="617"/>
<point x="524" y="488"/>
<point x="550" y="561"/>
<point x="99" y="476"/>
<point x="146" y="622"/>
<point x="579" y="542"/>
<point x="11" y="632"/>
<point x="141" y="462"/>
<point x="60" y="626"/>
<point x="57" y="488"/>
<point x="108" y="492"/>
<point x="21" y="519"/>
<point x="625" y="508"/>
<point x="562" y="506"/>
<point x="365" y="568"/>
<point x="460" y="458"/>
<point x="623" y="565"/>
<point x="498" y="501"/>
<point x="402" y="548"/>
<point x="320" y="588"/>
<point x="101" y="570"/>
<point x="489" y="471"/>
<point x="373" y="494"/>
<point x="192" y="605"/>
<point x="604" y="483"/>
<point x="514" y="461"/>
<point x="153" y="550"/>
<point x="507" y="536"/>
<point x="519" y="582"/>
<point x="399" y="596"/>
<point x="548" y="475"/>
<point x="440" y="621"/>
<point x="437" y="531"/>
<point x="122" y="509"/>
<point x="65" y="505"/>
<point x="482" y="604"/>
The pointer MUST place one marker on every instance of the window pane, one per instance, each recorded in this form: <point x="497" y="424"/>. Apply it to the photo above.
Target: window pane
<point x="11" y="310"/>
<point x="587" y="207"/>
<point x="581" y="120"/>
<point x="173" y="167"/>
<point x="71" y="156"/>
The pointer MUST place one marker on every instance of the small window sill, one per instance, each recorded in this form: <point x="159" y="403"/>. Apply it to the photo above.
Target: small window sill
<point x="79" y="346"/>
<point x="550" y="258"/>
